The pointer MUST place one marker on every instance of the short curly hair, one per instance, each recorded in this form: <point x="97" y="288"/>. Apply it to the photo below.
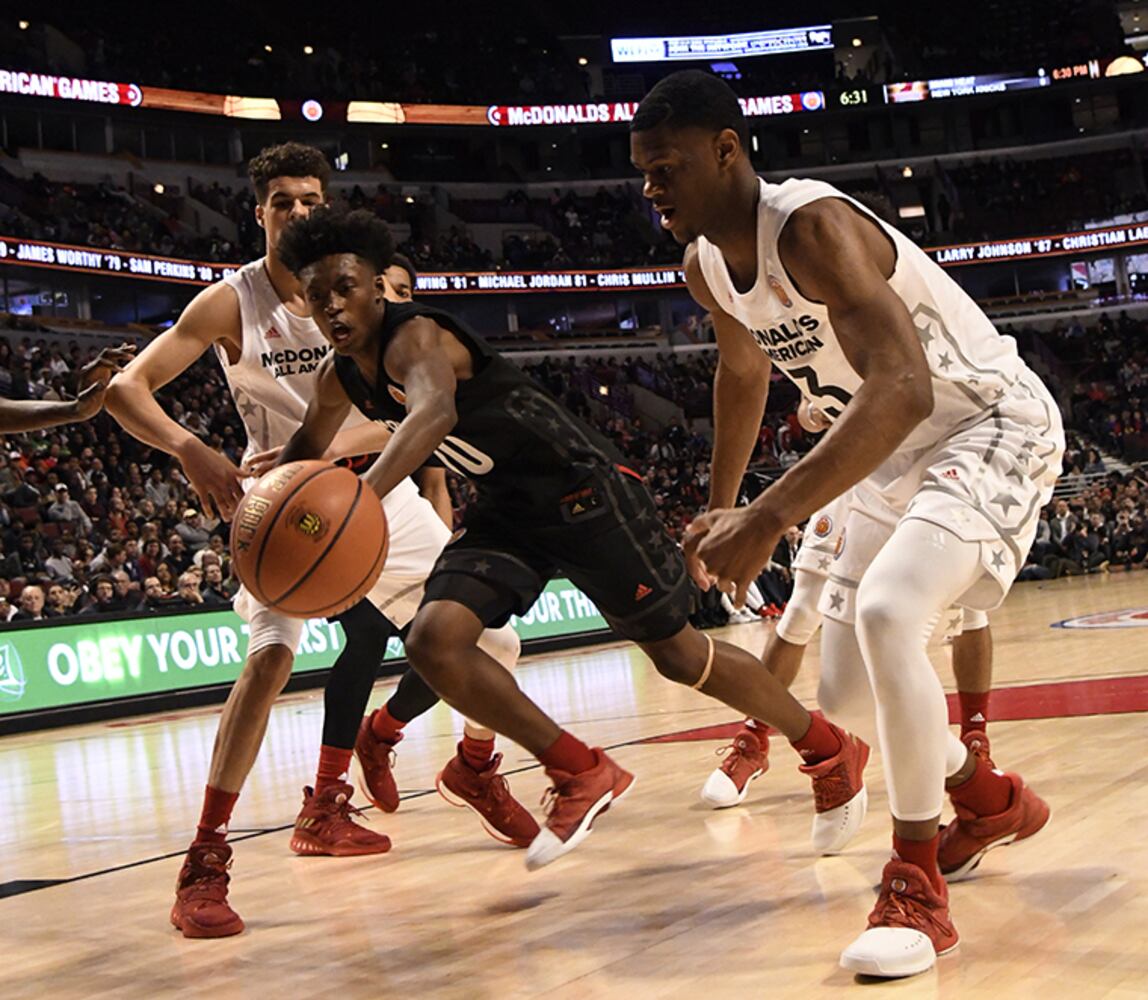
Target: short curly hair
<point x="327" y="231"/>
<point x="288" y="159"/>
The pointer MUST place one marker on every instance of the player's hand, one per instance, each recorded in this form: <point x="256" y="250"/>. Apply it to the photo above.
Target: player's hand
<point x="106" y="364"/>
<point x="731" y="547"/>
<point x="811" y="418"/>
<point x="90" y="401"/>
<point x="262" y="461"/>
<point x="214" y="478"/>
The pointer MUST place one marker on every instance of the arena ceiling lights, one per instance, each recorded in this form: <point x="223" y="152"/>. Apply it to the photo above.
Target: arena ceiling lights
<point x="739" y="46"/>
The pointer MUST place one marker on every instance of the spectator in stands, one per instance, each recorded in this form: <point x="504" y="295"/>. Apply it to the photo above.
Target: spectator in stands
<point x="189" y="593"/>
<point x="216" y="591"/>
<point x="30" y="556"/>
<point x="192" y="531"/>
<point x="110" y="558"/>
<point x="103" y="593"/>
<point x="1062" y="526"/>
<point x="58" y="564"/>
<point x="64" y="508"/>
<point x="59" y="599"/>
<point x="32" y="607"/>
<point x="128" y="596"/>
<point x="178" y="557"/>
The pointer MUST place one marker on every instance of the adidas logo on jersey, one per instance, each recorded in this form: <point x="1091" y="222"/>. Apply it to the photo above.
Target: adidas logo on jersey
<point x="272" y="333"/>
<point x="642" y="592"/>
<point x="950" y="474"/>
<point x="977" y="718"/>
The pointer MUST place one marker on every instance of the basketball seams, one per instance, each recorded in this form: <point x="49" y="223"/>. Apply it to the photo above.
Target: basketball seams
<point x="269" y="528"/>
<point x="347" y="518"/>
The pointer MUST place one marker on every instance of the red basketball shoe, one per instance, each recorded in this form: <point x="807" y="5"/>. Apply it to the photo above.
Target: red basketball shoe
<point x="966" y="840"/>
<point x="746" y="758"/>
<point x="574" y="801"/>
<point x="376" y="759"/>
<point x="908" y="928"/>
<point x="487" y="793"/>
<point x="979" y="746"/>
<point x="324" y="826"/>
<point x="839" y="794"/>
<point x="201" y="909"/>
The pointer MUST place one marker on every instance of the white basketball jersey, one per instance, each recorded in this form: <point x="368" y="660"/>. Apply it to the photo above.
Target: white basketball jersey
<point x="274" y="378"/>
<point x="973" y="366"/>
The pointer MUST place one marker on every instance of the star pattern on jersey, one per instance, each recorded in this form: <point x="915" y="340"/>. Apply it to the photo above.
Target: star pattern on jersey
<point x="553" y="424"/>
<point x="944" y="362"/>
<point x="1017" y="473"/>
<point x="669" y="564"/>
<point x="998" y="559"/>
<point x="246" y="407"/>
<point x="1005" y="501"/>
<point x="823" y="562"/>
<point x="653" y="538"/>
<point x="999" y="394"/>
<point x="836" y="600"/>
<point x="954" y="622"/>
<point x="481" y="567"/>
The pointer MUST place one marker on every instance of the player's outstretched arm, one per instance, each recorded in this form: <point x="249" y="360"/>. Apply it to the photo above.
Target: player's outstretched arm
<point x="419" y="358"/>
<point x="18" y="415"/>
<point x="326" y="413"/>
<point x="741" y="385"/>
<point x="213" y="315"/>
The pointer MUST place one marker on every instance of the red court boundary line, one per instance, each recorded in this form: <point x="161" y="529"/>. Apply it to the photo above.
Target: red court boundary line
<point x="1055" y="700"/>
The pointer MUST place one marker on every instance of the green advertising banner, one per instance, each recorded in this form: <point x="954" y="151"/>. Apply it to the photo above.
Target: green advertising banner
<point x="89" y="660"/>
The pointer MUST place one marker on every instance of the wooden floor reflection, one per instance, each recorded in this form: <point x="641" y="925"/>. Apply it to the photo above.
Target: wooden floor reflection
<point x="666" y="899"/>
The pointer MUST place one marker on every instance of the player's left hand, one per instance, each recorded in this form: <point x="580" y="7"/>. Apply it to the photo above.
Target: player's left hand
<point x="731" y="547"/>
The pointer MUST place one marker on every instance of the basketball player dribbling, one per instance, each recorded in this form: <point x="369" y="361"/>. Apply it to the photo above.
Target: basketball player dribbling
<point x="552" y="493"/>
<point x="268" y="348"/>
<point x="950" y="443"/>
<point x="746" y="756"/>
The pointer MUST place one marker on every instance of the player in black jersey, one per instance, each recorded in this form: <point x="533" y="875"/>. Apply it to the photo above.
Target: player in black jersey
<point x="552" y="493"/>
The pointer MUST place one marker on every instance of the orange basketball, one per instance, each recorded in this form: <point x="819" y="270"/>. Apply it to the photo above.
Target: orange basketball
<point x="309" y="539"/>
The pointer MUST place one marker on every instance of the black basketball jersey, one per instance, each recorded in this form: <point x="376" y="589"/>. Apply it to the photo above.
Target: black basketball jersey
<point x="518" y="444"/>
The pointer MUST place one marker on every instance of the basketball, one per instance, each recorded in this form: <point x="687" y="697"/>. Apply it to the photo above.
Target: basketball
<point x="309" y="539"/>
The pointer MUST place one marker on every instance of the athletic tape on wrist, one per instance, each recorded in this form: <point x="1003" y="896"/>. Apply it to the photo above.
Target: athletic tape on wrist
<point x="709" y="666"/>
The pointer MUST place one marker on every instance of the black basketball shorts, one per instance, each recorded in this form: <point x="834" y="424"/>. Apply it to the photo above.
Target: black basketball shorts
<point x="606" y="536"/>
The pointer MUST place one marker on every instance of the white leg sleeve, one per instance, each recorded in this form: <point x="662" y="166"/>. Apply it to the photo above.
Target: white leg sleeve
<point x="844" y="692"/>
<point x="501" y="643"/>
<point x="918" y="573"/>
<point x="800" y="619"/>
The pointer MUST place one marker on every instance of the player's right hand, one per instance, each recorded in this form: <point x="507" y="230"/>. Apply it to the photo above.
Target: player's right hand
<point x="216" y="481"/>
<point x="262" y="461"/>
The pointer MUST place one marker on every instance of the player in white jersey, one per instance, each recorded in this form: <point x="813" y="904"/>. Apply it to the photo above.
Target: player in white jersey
<point x="269" y="348"/>
<point x="954" y="442"/>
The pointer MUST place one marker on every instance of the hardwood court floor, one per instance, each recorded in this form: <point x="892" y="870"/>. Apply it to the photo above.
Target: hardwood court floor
<point x="666" y="899"/>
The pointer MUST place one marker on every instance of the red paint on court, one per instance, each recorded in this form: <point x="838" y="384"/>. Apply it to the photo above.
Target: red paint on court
<point x="1057" y="700"/>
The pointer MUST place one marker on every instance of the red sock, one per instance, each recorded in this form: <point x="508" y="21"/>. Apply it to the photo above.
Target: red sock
<point x="385" y="726"/>
<point x="986" y="792"/>
<point x="819" y="743"/>
<point x="217" y="806"/>
<point x="477" y="753"/>
<point x="923" y="854"/>
<point x="569" y="754"/>
<point x="974" y="711"/>
<point x="334" y="763"/>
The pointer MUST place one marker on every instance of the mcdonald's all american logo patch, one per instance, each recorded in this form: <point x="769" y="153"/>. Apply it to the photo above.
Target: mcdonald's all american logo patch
<point x="1127" y="618"/>
<point x="823" y="527"/>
